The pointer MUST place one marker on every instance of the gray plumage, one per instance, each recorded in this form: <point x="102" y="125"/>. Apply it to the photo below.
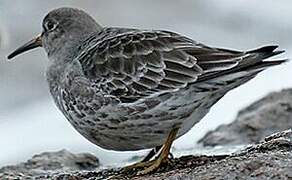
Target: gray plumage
<point x="125" y="89"/>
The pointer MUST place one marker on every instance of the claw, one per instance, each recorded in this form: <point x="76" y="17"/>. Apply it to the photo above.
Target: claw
<point x="138" y="165"/>
<point x="155" y="165"/>
<point x="162" y="159"/>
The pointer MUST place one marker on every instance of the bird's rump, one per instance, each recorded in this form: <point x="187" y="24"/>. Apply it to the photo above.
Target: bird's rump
<point x="131" y="63"/>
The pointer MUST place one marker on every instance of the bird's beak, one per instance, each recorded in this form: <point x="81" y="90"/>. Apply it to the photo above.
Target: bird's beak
<point x="34" y="43"/>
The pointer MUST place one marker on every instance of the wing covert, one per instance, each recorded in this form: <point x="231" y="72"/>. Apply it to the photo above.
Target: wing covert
<point x="131" y="64"/>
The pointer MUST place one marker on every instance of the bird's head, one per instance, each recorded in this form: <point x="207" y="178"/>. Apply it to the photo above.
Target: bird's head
<point x="62" y="29"/>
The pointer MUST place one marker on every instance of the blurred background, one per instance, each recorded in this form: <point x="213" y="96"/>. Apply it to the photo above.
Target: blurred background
<point x="29" y="121"/>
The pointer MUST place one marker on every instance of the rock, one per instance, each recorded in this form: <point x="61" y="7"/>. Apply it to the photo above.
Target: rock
<point x="266" y="116"/>
<point x="53" y="162"/>
<point x="269" y="159"/>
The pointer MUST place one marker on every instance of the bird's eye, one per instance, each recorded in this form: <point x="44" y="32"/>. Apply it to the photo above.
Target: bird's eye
<point x="49" y="26"/>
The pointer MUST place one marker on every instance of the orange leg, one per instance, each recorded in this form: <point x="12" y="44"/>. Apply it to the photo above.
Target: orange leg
<point x="150" y="166"/>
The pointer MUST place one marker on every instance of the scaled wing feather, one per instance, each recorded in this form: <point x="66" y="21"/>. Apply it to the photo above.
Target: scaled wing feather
<point x="132" y="64"/>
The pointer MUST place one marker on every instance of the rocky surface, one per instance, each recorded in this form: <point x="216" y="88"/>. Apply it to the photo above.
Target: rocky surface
<point x="270" y="159"/>
<point x="271" y="114"/>
<point x="50" y="163"/>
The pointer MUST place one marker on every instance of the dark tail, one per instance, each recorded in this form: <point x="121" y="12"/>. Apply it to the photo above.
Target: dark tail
<point x="255" y="62"/>
<point x="266" y="51"/>
<point x="258" y="58"/>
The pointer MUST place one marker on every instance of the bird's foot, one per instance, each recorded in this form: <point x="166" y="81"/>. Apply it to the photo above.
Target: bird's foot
<point x="137" y="165"/>
<point x="155" y="164"/>
<point x="149" y="166"/>
<point x="162" y="159"/>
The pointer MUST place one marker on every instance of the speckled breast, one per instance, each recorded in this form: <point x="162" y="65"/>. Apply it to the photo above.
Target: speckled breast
<point x="132" y="126"/>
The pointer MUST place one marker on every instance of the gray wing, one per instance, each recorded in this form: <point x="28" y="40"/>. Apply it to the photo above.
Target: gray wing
<point x="131" y="64"/>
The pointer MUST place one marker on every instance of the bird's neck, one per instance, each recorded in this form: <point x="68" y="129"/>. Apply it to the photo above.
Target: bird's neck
<point x="61" y="61"/>
<point x="60" y="58"/>
<point x="54" y="73"/>
<point x="64" y="53"/>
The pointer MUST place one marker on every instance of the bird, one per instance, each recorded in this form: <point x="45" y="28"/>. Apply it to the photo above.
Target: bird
<point x="127" y="89"/>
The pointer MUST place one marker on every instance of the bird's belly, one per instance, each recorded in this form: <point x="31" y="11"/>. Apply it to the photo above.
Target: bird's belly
<point x="127" y="127"/>
<point x="140" y="131"/>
